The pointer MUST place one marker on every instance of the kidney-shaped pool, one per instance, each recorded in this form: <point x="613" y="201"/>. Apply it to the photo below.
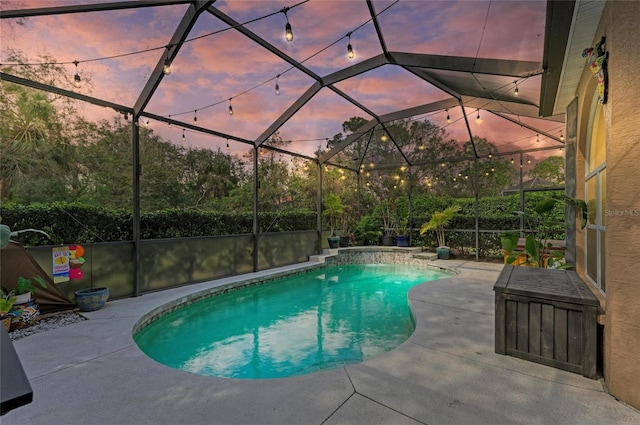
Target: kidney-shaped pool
<point x="318" y="320"/>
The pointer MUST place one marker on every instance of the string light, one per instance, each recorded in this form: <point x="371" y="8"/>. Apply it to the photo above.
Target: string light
<point x="448" y="117"/>
<point x="230" y="107"/>
<point x="76" y="78"/>
<point x="183" y="136"/>
<point x="561" y="136"/>
<point x="195" y="117"/>
<point x="167" y="64"/>
<point x="277" y="85"/>
<point x="478" y="116"/>
<point x="350" y="52"/>
<point x="288" y="32"/>
<point x="515" y="92"/>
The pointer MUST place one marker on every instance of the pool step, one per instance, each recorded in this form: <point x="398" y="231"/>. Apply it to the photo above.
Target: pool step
<point x="319" y="258"/>
<point x="429" y="256"/>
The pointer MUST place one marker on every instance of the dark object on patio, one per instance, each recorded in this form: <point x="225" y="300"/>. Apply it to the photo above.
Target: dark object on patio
<point x="91" y="299"/>
<point x="15" y="390"/>
<point x="546" y="316"/>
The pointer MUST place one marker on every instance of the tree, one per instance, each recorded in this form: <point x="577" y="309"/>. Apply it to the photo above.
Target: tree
<point x="34" y="144"/>
<point x="551" y="169"/>
<point x="210" y="176"/>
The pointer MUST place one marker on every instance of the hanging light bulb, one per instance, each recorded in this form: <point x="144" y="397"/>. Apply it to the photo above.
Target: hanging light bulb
<point x="169" y="123"/>
<point x="76" y="78"/>
<point x="486" y="174"/>
<point x="350" y="52"/>
<point x="561" y="136"/>
<point x="515" y="92"/>
<point x="493" y="169"/>
<point x="277" y="85"/>
<point x="512" y="159"/>
<point x="537" y="138"/>
<point x="195" y="117"/>
<point x="478" y="116"/>
<point x="466" y="176"/>
<point x="490" y="155"/>
<point x="448" y="117"/>
<point x="228" y="147"/>
<point x="528" y="160"/>
<point x="146" y="124"/>
<point x="288" y="33"/>
<point x="183" y="136"/>
<point x="384" y="137"/>
<point x="521" y="163"/>
<point x="167" y="64"/>
<point x="443" y="164"/>
<point x="230" y="107"/>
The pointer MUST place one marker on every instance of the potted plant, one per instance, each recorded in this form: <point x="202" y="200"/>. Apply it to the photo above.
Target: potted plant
<point x="439" y="220"/>
<point x="345" y="227"/>
<point x="6" y="303"/>
<point x="389" y="224"/>
<point x="25" y="310"/>
<point x="25" y="288"/>
<point x="402" y="235"/>
<point x="538" y="250"/>
<point x="367" y="231"/>
<point x="333" y="211"/>
<point x="509" y="242"/>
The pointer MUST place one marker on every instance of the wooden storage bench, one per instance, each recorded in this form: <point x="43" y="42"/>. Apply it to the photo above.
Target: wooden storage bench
<point x="546" y="316"/>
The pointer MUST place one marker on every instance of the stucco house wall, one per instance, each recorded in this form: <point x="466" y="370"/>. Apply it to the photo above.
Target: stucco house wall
<point x="621" y="347"/>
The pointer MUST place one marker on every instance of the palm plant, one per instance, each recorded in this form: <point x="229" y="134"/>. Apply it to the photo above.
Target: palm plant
<point x="333" y="210"/>
<point x="439" y="220"/>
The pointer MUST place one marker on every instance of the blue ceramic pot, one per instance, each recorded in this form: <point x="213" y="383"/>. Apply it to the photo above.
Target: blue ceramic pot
<point x="91" y="299"/>
<point x="402" y="240"/>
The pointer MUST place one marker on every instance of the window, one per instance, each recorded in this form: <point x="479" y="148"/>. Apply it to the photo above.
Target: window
<point x="595" y="194"/>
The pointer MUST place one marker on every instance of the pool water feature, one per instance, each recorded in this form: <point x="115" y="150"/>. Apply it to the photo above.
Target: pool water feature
<point x="318" y="320"/>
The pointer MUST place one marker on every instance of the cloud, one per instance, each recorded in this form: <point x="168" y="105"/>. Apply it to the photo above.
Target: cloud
<point x="210" y="70"/>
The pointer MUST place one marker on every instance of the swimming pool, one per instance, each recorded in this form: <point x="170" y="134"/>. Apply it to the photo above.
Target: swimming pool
<point x="321" y="319"/>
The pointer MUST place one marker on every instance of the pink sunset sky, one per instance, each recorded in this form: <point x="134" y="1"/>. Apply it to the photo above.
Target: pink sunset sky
<point x="211" y="69"/>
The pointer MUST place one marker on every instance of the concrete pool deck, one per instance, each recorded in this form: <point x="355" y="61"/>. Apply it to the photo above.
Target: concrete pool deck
<point x="92" y="372"/>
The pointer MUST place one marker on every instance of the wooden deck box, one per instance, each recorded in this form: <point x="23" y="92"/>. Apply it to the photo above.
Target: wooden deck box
<point x="546" y="316"/>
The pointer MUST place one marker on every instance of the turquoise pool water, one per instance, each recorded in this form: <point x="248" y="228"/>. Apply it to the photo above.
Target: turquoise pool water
<point x="314" y="321"/>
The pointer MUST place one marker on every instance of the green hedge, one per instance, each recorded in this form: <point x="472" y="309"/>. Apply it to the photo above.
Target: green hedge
<point x="77" y="223"/>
